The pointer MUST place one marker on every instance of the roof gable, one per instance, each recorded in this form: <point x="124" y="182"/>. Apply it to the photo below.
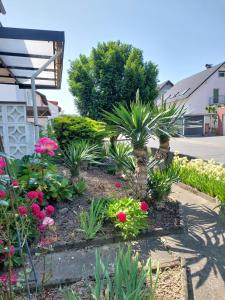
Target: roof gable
<point x="186" y="87"/>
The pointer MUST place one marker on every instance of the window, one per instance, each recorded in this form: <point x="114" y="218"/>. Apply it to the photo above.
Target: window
<point x="215" y="96"/>
<point x="221" y="73"/>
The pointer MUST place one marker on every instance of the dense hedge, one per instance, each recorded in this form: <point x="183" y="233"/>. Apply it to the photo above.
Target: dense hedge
<point x="70" y="128"/>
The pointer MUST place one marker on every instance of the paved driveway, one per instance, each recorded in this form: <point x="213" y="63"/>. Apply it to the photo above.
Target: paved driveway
<point x="202" y="147"/>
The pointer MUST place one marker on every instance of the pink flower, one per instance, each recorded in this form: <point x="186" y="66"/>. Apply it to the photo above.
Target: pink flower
<point x="2" y="163"/>
<point x="41" y="228"/>
<point x="40" y="216"/>
<point x="49" y="210"/>
<point x="35" y="208"/>
<point x="15" y="183"/>
<point x="1" y="172"/>
<point x="121" y="216"/>
<point x="11" y="251"/>
<point x="2" y="194"/>
<point x="118" y="185"/>
<point x="22" y="210"/>
<point x="13" y="278"/>
<point x="48" y="221"/>
<point x="46" y="145"/>
<point x="1" y="242"/>
<point x="32" y="195"/>
<point x="3" y="279"/>
<point x="40" y="197"/>
<point x="144" y="206"/>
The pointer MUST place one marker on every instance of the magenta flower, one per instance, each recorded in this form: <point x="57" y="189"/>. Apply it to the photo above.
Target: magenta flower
<point x="22" y="210"/>
<point x="46" y="145"/>
<point x="144" y="206"/>
<point x="2" y="163"/>
<point x="121" y="217"/>
<point x="35" y="208"/>
<point x="49" y="210"/>
<point x="40" y="197"/>
<point x="1" y="172"/>
<point x="40" y="216"/>
<point x="2" y="195"/>
<point x="11" y="251"/>
<point x="41" y="228"/>
<point x="32" y="195"/>
<point x="118" y="185"/>
<point x="15" y="183"/>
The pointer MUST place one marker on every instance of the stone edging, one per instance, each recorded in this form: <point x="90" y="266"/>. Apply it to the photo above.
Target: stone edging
<point x="104" y="240"/>
<point x="197" y="192"/>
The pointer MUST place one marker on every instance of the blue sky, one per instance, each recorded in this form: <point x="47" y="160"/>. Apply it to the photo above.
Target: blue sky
<point x="180" y="36"/>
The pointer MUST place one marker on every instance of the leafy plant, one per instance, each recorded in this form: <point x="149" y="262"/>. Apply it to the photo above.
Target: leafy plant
<point x="76" y="153"/>
<point x="134" y="218"/>
<point x="75" y="128"/>
<point x="137" y="122"/>
<point x="91" y="222"/>
<point x="160" y="182"/>
<point x="128" y="281"/>
<point x="121" y="154"/>
<point x="80" y="186"/>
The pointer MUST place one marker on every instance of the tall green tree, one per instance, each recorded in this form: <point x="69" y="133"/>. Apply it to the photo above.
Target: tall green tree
<point x="111" y="74"/>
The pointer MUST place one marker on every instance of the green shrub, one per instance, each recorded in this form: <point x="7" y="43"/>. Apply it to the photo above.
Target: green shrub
<point x="80" y="186"/>
<point x="72" y="128"/>
<point x="160" y="183"/>
<point x="136" y="219"/>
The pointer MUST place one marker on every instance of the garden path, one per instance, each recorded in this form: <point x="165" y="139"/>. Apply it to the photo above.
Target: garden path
<point x="202" y="244"/>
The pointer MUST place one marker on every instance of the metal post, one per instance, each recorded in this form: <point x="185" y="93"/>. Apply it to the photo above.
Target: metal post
<point x="33" y="77"/>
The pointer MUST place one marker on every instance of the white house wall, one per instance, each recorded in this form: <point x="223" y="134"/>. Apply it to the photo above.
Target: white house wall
<point x="199" y="100"/>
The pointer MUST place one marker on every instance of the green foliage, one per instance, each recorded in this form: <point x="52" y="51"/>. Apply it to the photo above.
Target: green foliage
<point x="160" y="183"/>
<point x="78" y="152"/>
<point x="136" y="219"/>
<point x="128" y="280"/>
<point x="169" y="125"/>
<point x="74" y="128"/>
<point x="91" y="222"/>
<point x="111" y="74"/>
<point x="137" y="122"/>
<point x="80" y="186"/>
<point x="34" y="173"/>
<point x="121" y="154"/>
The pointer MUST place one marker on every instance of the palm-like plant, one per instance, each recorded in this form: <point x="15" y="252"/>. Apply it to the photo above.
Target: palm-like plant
<point x="74" y="154"/>
<point x="169" y="125"/>
<point x="137" y="122"/>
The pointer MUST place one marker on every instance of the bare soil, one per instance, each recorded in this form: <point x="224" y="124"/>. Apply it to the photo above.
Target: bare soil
<point x="101" y="184"/>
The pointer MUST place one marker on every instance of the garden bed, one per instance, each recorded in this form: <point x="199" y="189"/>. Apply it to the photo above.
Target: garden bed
<point x="162" y="220"/>
<point x="172" y="284"/>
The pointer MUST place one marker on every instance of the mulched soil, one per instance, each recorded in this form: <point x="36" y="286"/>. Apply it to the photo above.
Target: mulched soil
<point x="169" y="287"/>
<point x="100" y="184"/>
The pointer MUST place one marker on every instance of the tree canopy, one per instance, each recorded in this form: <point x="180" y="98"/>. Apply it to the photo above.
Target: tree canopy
<point x="111" y="74"/>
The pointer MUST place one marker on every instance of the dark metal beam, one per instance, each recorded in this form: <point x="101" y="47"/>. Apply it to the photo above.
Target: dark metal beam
<point x="25" y="55"/>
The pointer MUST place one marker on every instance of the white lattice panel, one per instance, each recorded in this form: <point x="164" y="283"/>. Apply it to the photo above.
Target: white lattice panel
<point x="18" y="135"/>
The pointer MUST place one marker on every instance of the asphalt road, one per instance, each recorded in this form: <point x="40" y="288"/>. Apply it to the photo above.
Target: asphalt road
<point x="201" y="147"/>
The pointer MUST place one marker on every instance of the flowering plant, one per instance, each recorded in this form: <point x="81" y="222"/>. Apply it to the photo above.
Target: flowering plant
<point x="129" y="215"/>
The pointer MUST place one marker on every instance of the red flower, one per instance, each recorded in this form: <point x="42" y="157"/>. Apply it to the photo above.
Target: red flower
<point x="118" y="185"/>
<point x="40" y="216"/>
<point x="11" y="251"/>
<point x="2" y="163"/>
<point x="15" y="183"/>
<point x="49" y="210"/>
<point x="2" y="194"/>
<point x="144" y="206"/>
<point x="121" y="216"/>
<point x="35" y="208"/>
<point x="32" y="195"/>
<point x="22" y="211"/>
<point x="40" y="197"/>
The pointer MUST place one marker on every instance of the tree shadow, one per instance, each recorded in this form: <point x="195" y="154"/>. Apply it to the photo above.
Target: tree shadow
<point x="203" y="243"/>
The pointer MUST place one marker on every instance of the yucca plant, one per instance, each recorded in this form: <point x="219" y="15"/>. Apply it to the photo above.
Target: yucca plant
<point x="169" y="125"/>
<point x="139" y="123"/>
<point x="122" y="156"/>
<point x="76" y="153"/>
